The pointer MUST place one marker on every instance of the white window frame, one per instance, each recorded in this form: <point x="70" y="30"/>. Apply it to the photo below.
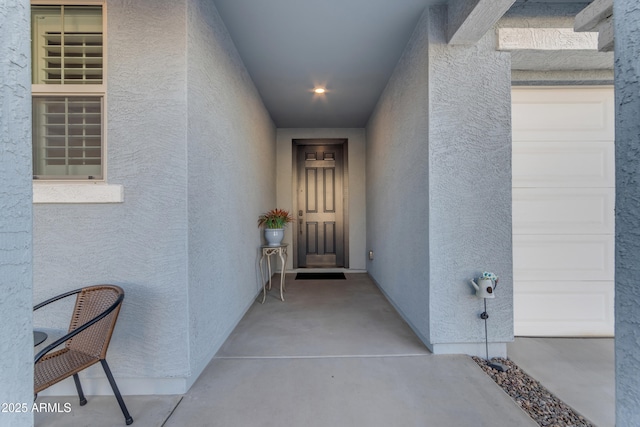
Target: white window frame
<point x="75" y="190"/>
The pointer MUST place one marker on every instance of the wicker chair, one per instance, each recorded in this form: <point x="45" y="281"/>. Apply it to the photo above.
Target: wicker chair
<point x="92" y="323"/>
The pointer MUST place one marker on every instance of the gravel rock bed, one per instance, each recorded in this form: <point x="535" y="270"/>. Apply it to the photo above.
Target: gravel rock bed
<point x="541" y="405"/>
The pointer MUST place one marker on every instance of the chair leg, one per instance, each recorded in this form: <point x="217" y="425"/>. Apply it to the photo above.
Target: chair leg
<point x="83" y="400"/>
<point x="112" y="381"/>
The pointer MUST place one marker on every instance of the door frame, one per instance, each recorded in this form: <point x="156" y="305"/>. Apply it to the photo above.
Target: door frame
<point x="345" y="190"/>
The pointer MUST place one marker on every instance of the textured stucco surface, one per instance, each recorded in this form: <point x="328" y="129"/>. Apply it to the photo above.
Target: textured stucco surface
<point x="470" y="186"/>
<point x="555" y="66"/>
<point x="545" y="39"/>
<point x="398" y="185"/>
<point x="194" y="149"/>
<point x="439" y="143"/>
<point x="627" y="309"/>
<point x="140" y="244"/>
<point x="544" y="9"/>
<point x="356" y="198"/>
<point x="573" y="77"/>
<point x="232" y="178"/>
<point x="16" y="347"/>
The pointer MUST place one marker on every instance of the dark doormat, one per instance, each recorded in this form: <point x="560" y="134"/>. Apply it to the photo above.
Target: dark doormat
<point x="320" y="276"/>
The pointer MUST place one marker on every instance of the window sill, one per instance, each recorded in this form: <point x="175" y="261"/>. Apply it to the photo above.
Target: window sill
<point x="48" y="192"/>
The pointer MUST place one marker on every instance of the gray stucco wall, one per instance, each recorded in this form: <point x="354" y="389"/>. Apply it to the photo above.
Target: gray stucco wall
<point x="398" y="185"/>
<point x="194" y="148"/>
<point x="16" y="347"/>
<point x="440" y="144"/>
<point x="470" y="186"/>
<point x="627" y="88"/>
<point x="140" y="244"/>
<point x="232" y="178"/>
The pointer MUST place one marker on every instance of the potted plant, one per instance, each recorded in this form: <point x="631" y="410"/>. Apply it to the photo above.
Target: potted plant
<point x="274" y="222"/>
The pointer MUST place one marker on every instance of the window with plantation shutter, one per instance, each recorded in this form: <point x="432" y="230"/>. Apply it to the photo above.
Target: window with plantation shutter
<point x="68" y="136"/>
<point x="68" y="91"/>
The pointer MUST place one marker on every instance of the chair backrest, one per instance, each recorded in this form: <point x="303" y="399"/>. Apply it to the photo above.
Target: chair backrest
<point x="91" y="302"/>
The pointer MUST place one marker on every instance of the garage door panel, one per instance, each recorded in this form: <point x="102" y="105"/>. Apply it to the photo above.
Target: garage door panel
<point x="562" y="257"/>
<point x="564" y="308"/>
<point x="563" y="211"/>
<point x="563" y="114"/>
<point x="563" y="164"/>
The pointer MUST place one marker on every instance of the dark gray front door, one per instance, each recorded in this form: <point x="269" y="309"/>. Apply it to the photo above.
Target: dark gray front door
<point x="320" y="208"/>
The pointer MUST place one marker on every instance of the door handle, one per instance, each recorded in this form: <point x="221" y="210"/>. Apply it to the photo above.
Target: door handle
<point x="300" y="222"/>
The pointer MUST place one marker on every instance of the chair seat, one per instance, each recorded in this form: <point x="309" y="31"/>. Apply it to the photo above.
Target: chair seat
<point x="59" y="365"/>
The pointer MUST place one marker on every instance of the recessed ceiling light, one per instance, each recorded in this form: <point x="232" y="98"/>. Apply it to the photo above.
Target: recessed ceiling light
<point x="319" y="90"/>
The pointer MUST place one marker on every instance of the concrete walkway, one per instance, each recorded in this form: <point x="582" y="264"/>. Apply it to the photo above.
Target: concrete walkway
<point x="335" y="354"/>
<point x="579" y="371"/>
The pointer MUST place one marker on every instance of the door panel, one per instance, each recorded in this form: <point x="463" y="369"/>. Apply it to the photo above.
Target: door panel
<point x="562" y="164"/>
<point x="320" y="216"/>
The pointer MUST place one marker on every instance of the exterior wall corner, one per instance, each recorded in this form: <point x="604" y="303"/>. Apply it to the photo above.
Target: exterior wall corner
<point x="16" y="230"/>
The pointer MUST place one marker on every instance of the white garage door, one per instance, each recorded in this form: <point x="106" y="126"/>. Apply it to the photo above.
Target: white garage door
<point x="563" y="211"/>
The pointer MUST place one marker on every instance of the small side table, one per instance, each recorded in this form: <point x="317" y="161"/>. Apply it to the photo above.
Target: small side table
<point x="267" y="251"/>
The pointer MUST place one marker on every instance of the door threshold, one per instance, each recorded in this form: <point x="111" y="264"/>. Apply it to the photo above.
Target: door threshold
<point x="325" y="270"/>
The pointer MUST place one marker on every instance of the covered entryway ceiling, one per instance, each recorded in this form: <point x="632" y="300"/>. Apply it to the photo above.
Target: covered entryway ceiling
<point x="349" y="47"/>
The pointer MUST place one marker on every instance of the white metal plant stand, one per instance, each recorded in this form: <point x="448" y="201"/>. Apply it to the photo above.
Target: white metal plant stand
<point x="267" y="251"/>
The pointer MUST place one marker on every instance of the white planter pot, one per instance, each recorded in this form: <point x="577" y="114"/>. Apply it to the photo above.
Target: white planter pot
<point x="274" y="236"/>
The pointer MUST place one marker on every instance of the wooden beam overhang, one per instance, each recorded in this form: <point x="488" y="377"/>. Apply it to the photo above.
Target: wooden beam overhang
<point x="598" y="16"/>
<point x="469" y="20"/>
